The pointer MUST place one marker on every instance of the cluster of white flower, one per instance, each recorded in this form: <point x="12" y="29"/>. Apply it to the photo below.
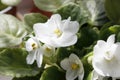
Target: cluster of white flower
<point x="53" y="34"/>
<point x="57" y="33"/>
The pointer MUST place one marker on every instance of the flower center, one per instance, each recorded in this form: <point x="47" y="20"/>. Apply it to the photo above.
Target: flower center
<point x="48" y="49"/>
<point x="108" y="56"/>
<point x="58" y="32"/>
<point x="74" y="66"/>
<point x="34" y="46"/>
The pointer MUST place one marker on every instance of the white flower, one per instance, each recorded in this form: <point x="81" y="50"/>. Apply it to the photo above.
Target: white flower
<point x="35" y="52"/>
<point x="57" y="32"/>
<point x="73" y="67"/>
<point x="106" y="59"/>
<point x="48" y="50"/>
<point x="96" y="76"/>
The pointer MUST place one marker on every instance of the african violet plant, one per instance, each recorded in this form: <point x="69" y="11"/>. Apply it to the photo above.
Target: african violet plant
<point x="80" y="41"/>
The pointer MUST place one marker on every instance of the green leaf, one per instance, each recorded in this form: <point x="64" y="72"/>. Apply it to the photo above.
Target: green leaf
<point x="87" y="37"/>
<point x="87" y="63"/>
<point x="52" y="73"/>
<point x="49" y="5"/>
<point x="89" y="77"/>
<point x="112" y="8"/>
<point x="95" y="10"/>
<point x="11" y="31"/>
<point x="62" y="53"/>
<point x="32" y="18"/>
<point x="2" y="6"/>
<point x="13" y="63"/>
<point x="36" y="77"/>
<point x="74" y="11"/>
<point x="106" y="32"/>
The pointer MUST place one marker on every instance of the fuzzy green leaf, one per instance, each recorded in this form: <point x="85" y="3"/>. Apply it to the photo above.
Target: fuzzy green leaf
<point x="112" y="8"/>
<point x="95" y="10"/>
<point x="106" y="32"/>
<point x="52" y="73"/>
<point x="13" y="63"/>
<point x="2" y="6"/>
<point x="11" y="31"/>
<point x="74" y="11"/>
<point x="87" y="37"/>
<point x="49" y="5"/>
<point x="32" y="18"/>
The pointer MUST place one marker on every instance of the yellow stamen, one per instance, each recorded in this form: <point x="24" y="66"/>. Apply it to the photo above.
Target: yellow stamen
<point x="108" y="56"/>
<point x="47" y="49"/>
<point x="74" y="66"/>
<point x="34" y="46"/>
<point x="58" y="32"/>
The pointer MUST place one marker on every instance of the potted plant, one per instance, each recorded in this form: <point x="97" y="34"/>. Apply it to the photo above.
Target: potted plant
<point x="79" y="41"/>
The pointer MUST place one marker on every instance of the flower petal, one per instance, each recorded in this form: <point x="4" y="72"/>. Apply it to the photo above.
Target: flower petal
<point x="54" y="21"/>
<point x="39" y="57"/>
<point x="101" y="43"/>
<point x="80" y="76"/>
<point x="96" y="76"/>
<point x="74" y="59"/>
<point x="107" y="68"/>
<point x="29" y="44"/>
<point x="65" y="40"/>
<point x="31" y="57"/>
<point x="65" y="64"/>
<point x="47" y="29"/>
<point x="43" y="30"/>
<point x="70" y="26"/>
<point x="117" y="51"/>
<point x="111" y="39"/>
<point x="71" y="74"/>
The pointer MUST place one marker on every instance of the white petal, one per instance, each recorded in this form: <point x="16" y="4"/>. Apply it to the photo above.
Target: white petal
<point x="39" y="57"/>
<point x="107" y="68"/>
<point x="64" y="41"/>
<point x="65" y="64"/>
<point x="74" y="59"/>
<point x="71" y="74"/>
<point x="54" y="21"/>
<point x="117" y="52"/>
<point x="31" y="57"/>
<point x="101" y="43"/>
<point x="71" y="27"/>
<point x="96" y="76"/>
<point x="43" y="30"/>
<point x="28" y="44"/>
<point x="56" y="17"/>
<point x="99" y="50"/>
<point x="111" y="39"/>
<point x="80" y="76"/>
